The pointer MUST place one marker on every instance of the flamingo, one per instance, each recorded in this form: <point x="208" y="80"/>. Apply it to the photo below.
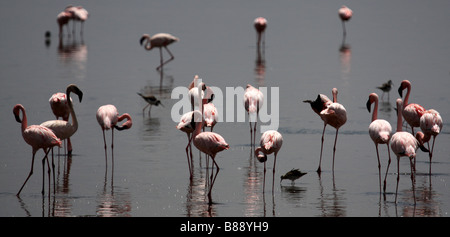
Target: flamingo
<point x="253" y="100"/>
<point x="64" y="129"/>
<point x="37" y="137"/>
<point x="108" y="117"/>
<point x="331" y="113"/>
<point x="151" y="100"/>
<point x="380" y="133"/>
<point x="270" y="142"/>
<point x="210" y="115"/>
<point x="160" y="40"/>
<point x="209" y="143"/>
<point x="345" y="14"/>
<point x="78" y="14"/>
<point x="60" y="106"/>
<point x="404" y="144"/>
<point x="431" y="125"/>
<point x="411" y="112"/>
<point x="206" y="92"/>
<point x="188" y="126"/>
<point x="62" y="19"/>
<point x="260" y="24"/>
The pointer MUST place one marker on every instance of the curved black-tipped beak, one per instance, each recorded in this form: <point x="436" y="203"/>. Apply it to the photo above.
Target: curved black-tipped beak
<point x="422" y="148"/>
<point x="262" y="158"/>
<point x="368" y="105"/>
<point x="400" y="91"/>
<point x="120" y="128"/>
<point x="18" y="118"/>
<point x="142" y="40"/>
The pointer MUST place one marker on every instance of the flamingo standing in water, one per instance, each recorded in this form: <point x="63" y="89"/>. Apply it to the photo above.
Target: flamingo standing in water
<point x="411" y="112"/>
<point x="210" y="115"/>
<point x="331" y="113"/>
<point x="260" y="24"/>
<point x="37" y="137"/>
<point x="188" y="126"/>
<point x="345" y="14"/>
<point x="270" y="142"/>
<point x="380" y="133"/>
<point x="404" y="144"/>
<point x="160" y="40"/>
<point x="64" y="129"/>
<point x="253" y="100"/>
<point x="62" y="19"/>
<point x="78" y="14"/>
<point x="60" y="107"/>
<point x="209" y="143"/>
<point x="108" y="117"/>
<point x="431" y="125"/>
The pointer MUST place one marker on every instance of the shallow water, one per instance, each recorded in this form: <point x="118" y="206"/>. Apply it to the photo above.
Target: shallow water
<point x="301" y="58"/>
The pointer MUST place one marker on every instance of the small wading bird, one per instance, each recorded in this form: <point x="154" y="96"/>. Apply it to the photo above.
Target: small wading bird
<point x="380" y="133"/>
<point x="292" y="175"/>
<point x="331" y="113"/>
<point x="253" y="100"/>
<point x="345" y="14"/>
<point x="37" y="137"/>
<point x="160" y="40"/>
<point x="411" y="112"/>
<point x="64" y="129"/>
<point x="386" y="87"/>
<point x="260" y="24"/>
<point x="404" y="144"/>
<point x="151" y="100"/>
<point x="271" y="142"/>
<point x="108" y="117"/>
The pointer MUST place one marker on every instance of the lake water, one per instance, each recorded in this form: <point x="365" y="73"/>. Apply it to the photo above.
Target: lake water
<point x="386" y="40"/>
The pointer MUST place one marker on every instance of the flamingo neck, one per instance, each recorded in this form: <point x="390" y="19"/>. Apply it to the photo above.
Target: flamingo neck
<point x="24" y="119"/>
<point x="408" y="88"/>
<point x="127" y="124"/>
<point x="399" y="117"/>
<point x="334" y="91"/>
<point x="72" y="112"/>
<point x="375" y="110"/>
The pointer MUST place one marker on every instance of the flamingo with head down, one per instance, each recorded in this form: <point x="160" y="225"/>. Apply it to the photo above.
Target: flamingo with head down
<point x="108" y="117"/>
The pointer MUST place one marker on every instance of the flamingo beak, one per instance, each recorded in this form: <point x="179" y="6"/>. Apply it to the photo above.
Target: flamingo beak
<point x="142" y="39"/>
<point x="400" y="91"/>
<point x="17" y="118"/>
<point x="368" y="105"/>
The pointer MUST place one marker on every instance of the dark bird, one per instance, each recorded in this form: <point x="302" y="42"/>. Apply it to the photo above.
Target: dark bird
<point x="292" y="175"/>
<point x="151" y="100"/>
<point x="386" y="87"/>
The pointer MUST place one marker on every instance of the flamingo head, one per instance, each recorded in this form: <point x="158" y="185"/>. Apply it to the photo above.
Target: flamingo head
<point x="260" y="155"/>
<point x="372" y="98"/>
<point x="74" y="88"/>
<point x="16" y="112"/>
<point x="127" y="124"/>
<point x="144" y="38"/>
<point x="403" y="85"/>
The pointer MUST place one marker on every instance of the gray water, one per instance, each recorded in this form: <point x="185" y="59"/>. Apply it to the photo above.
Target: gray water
<point x="394" y="40"/>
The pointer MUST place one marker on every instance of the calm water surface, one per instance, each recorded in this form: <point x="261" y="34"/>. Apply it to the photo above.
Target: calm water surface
<point x="394" y="40"/>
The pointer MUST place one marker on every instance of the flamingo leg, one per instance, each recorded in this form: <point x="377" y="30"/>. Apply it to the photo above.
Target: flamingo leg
<point x="334" y="147"/>
<point x="387" y="169"/>
<point x="398" y="177"/>
<point x="69" y="146"/>
<point x="161" y="56"/>
<point x="104" y="142"/>
<point x="379" y="166"/>
<point x="187" y="155"/>
<point x="273" y="178"/>
<point x="412" y="181"/>
<point x="321" y="149"/>
<point x="29" y="174"/>
<point x="112" y="147"/>
<point x="264" y="179"/>
<point x="431" y="151"/>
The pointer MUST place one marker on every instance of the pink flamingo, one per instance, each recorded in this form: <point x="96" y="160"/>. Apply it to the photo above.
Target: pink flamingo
<point x="404" y="144"/>
<point x="411" y="112"/>
<point x="60" y="106"/>
<point x="160" y="40"/>
<point x="206" y="92"/>
<point x="431" y="125"/>
<point x="188" y="126"/>
<point x="209" y="143"/>
<point x="260" y="24"/>
<point x="210" y="115"/>
<point x="270" y="142"/>
<point x="253" y="100"/>
<point x="37" y="137"/>
<point x="108" y="117"/>
<point x="380" y="133"/>
<point x="345" y="14"/>
<point x="62" y="19"/>
<point x="331" y="113"/>
<point x="78" y="14"/>
<point x="64" y="129"/>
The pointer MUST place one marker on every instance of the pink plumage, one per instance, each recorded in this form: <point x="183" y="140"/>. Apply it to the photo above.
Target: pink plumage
<point x="410" y="111"/>
<point x="38" y="137"/>
<point x="271" y="142"/>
